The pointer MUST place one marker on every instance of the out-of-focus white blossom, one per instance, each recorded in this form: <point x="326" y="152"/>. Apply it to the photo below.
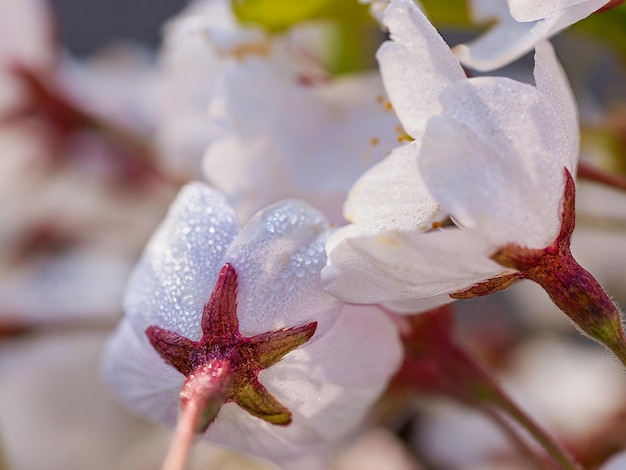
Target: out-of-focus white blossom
<point x="521" y="25"/>
<point x="67" y="237"/>
<point x="545" y="376"/>
<point x="290" y="138"/>
<point x="198" y="44"/>
<point x="327" y="384"/>
<point x="292" y="131"/>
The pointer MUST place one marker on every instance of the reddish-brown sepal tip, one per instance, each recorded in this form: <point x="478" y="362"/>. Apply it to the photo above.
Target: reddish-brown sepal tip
<point x="175" y="349"/>
<point x="486" y="287"/>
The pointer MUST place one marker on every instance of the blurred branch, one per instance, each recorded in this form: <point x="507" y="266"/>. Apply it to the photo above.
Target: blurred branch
<point x="591" y="173"/>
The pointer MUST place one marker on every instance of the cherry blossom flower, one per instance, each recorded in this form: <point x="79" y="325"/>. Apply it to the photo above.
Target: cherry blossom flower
<point x="262" y="137"/>
<point x="393" y="210"/>
<point x="207" y="54"/>
<point x="268" y="301"/>
<point x="190" y="59"/>
<point x="521" y="25"/>
<point x="497" y="157"/>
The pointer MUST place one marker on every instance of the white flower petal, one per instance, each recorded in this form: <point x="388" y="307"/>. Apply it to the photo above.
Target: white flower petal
<point x="187" y="69"/>
<point x="323" y="381"/>
<point x="416" y="65"/>
<point x="509" y="39"/>
<point x="494" y="162"/>
<point x="278" y="256"/>
<point x="392" y="196"/>
<point x="532" y="10"/>
<point x="294" y="447"/>
<point x="139" y="377"/>
<point x="503" y="43"/>
<point x="408" y="272"/>
<point x="324" y="386"/>
<point x="178" y="269"/>
<point x="273" y="150"/>
<point x="246" y="172"/>
<point x="552" y="82"/>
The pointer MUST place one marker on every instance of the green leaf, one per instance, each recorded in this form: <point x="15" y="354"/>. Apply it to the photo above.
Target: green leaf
<point x="355" y="34"/>
<point x="278" y="15"/>
<point x="448" y="13"/>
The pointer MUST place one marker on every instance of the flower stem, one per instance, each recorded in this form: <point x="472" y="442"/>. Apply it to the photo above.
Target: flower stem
<point x="524" y="448"/>
<point x="590" y="173"/>
<point x="201" y="398"/>
<point x="436" y="363"/>
<point x="492" y="393"/>
<point x="570" y="286"/>
<point x="554" y="449"/>
<point x="576" y="292"/>
<point x="178" y="452"/>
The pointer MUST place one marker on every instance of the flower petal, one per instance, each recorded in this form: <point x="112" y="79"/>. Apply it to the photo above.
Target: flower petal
<point x="416" y="65"/>
<point x="532" y="10"/>
<point x="278" y="256"/>
<point x="179" y="266"/>
<point x="273" y="149"/>
<point x="324" y="385"/>
<point x="408" y="272"/>
<point x="392" y="196"/>
<point x="494" y="162"/>
<point x="293" y="447"/>
<point x="552" y="82"/>
<point x="137" y="375"/>
<point x="509" y="39"/>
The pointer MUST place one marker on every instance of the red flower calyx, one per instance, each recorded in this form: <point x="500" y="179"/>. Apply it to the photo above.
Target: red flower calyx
<point x="223" y="366"/>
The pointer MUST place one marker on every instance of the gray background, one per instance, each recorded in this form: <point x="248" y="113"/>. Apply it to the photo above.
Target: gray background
<point x="87" y="25"/>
